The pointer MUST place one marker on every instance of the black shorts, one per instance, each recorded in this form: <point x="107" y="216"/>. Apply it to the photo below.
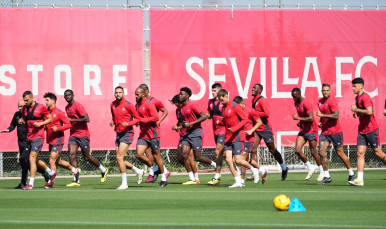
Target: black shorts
<point x="370" y="138"/>
<point x="83" y="143"/>
<point x="194" y="139"/>
<point x="35" y="145"/>
<point x="336" y="139"/>
<point x="55" y="148"/>
<point x="153" y="143"/>
<point x="124" y="137"/>
<point x="236" y="147"/>
<point x="248" y="147"/>
<point x="219" y="139"/>
<point x="267" y="135"/>
<point x="309" y="137"/>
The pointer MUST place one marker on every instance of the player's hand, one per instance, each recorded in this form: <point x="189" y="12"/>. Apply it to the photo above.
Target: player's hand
<point x="249" y="132"/>
<point x="54" y="128"/>
<point x="21" y="121"/>
<point x="230" y="130"/>
<point x="320" y="125"/>
<point x="174" y="127"/>
<point x="298" y="124"/>
<point x="384" y="112"/>
<point x="4" y="131"/>
<point x="125" y="124"/>
<point x="295" y="117"/>
<point x="186" y="124"/>
<point x="208" y="116"/>
<point x="37" y="124"/>
<point x="70" y="119"/>
<point x="319" y="114"/>
<point x="159" y="123"/>
<point x="355" y="115"/>
<point x="111" y="123"/>
<point x="353" y="107"/>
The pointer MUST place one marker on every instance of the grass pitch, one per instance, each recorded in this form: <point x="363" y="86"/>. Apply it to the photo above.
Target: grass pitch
<point x="96" y="205"/>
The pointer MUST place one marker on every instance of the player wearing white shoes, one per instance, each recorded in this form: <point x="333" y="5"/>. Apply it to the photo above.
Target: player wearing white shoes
<point x="234" y="120"/>
<point x="368" y="130"/>
<point x="124" y="116"/>
<point x="254" y="122"/>
<point x="331" y="132"/>
<point x="308" y="132"/>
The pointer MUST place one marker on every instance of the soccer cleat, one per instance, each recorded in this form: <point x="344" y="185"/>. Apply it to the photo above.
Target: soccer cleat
<point x="320" y="177"/>
<point x="264" y="176"/>
<point x="149" y="179"/>
<point x="46" y="185"/>
<point x="76" y="175"/>
<point x="236" y="185"/>
<point x="325" y="181"/>
<point x="46" y="177"/>
<point x="356" y="182"/>
<point x="284" y="174"/>
<point x="104" y="175"/>
<point x="73" y="184"/>
<point x="28" y="187"/>
<point x="191" y="182"/>
<point x="140" y="176"/>
<point x="162" y="184"/>
<point x="52" y="178"/>
<point x="20" y="186"/>
<point x="351" y="178"/>
<point x="310" y="173"/>
<point x="243" y="184"/>
<point x="215" y="181"/>
<point x="155" y="176"/>
<point x="251" y="178"/>
<point x="122" y="187"/>
<point x="167" y="175"/>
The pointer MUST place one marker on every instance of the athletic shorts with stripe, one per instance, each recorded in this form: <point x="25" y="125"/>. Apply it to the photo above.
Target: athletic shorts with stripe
<point x="153" y="143"/>
<point x="124" y="137"/>
<point x="36" y="145"/>
<point x="236" y="147"/>
<point x="309" y="137"/>
<point x="193" y="138"/>
<point x="371" y="139"/>
<point x="267" y="135"/>
<point x="55" y="148"/>
<point x="219" y="139"/>
<point x="248" y="147"/>
<point x="83" y="143"/>
<point x="336" y="139"/>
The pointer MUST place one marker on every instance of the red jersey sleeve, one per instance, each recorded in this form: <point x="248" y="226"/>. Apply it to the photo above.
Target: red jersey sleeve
<point x="241" y="115"/>
<point x="44" y="111"/>
<point x="153" y="115"/>
<point x="112" y="112"/>
<point x="264" y="107"/>
<point x="308" y="107"/>
<point x="254" y="115"/>
<point x="196" y="109"/>
<point x="134" y="114"/>
<point x="80" y="109"/>
<point x="159" y="105"/>
<point x="66" y="122"/>
<point x="334" y="105"/>
<point x="23" y="111"/>
<point x="367" y="101"/>
<point x="210" y="102"/>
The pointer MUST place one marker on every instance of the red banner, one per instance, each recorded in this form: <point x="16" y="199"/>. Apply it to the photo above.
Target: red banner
<point x="90" y="51"/>
<point x="280" y="49"/>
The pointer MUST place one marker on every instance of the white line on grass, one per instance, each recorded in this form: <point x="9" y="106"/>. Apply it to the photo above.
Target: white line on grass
<point x="191" y="224"/>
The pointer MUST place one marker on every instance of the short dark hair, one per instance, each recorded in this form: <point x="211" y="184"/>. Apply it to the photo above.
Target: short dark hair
<point x="261" y="86"/>
<point x="119" y="87"/>
<point x="69" y="91"/>
<point x="297" y="90"/>
<point x="326" y="85"/>
<point x="238" y="99"/>
<point x="144" y="86"/>
<point x="187" y="90"/>
<point x="176" y="99"/>
<point x="216" y="85"/>
<point x="51" y="96"/>
<point x="29" y="93"/>
<point x="221" y="93"/>
<point x="358" y="81"/>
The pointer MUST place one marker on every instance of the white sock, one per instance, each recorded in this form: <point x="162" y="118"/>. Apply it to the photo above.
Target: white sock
<point x="217" y="176"/>
<point x="103" y="169"/>
<point x="321" y="171"/>
<point x="238" y="171"/>
<point x="326" y="174"/>
<point x="350" y="172"/>
<point x="165" y="169"/>
<point x="309" y="166"/>
<point x="238" y="180"/>
<point x="49" y="171"/>
<point x="151" y="171"/>
<point x="191" y="176"/>
<point x="261" y="170"/>
<point x="254" y="171"/>
<point x="74" y="178"/>
<point x="283" y="167"/>
<point x="196" y="176"/>
<point x="155" y="168"/>
<point x="163" y="177"/>
<point x="360" y="176"/>
<point x="31" y="181"/>
<point x="73" y="170"/>
<point x="213" y="164"/>
<point x="242" y="180"/>
<point x="124" y="178"/>
<point x="135" y="169"/>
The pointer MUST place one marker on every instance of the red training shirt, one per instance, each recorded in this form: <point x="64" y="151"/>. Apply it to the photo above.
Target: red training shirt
<point x="158" y="104"/>
<point x="329" y="126"/>
<point x="260" y="104"/>
<point x="234" y="118"/>
<point x="190" y="112"/>
<point x="39" y="113"/>
<point x="303" y="108"/>
<point x="252" y="116"/>
<point x="148" y="120"/>
<point x="124" y="111"/>
<point x="60" y="120"/>
<point x="367" y="123"/>
<point x="78" y="129"/>
<point x="215" y="108"/>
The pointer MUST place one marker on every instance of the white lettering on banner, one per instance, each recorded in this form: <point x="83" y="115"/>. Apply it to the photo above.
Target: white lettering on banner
<point x="243" y="92"/>
<point x="339" y="76"/>
<point x="317" y="83"/>
<point x="88" y="82"/>
<point x="194" y="75"/>
<point x="212" y="77"/>
<point x="35" y="69"/>
<point x="119" y="79"/>
<point x="359" y="68"/>
<point x="275" y="93"/>
<point x="263" y="75"/>
<point x="8" y="80"/>
<point x="286" y="79"/>
<point x="57" y="76"/>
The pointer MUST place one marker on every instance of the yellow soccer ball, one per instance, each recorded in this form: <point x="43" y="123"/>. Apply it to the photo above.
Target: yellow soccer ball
<point x="281" y="202"/>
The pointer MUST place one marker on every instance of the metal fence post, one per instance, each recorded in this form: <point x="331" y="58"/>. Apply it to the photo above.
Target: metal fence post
<point x="280" y="4"/>
<point x="1" y="164"/>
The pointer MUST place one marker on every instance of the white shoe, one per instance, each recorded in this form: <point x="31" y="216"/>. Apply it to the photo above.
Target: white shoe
<point x="256" y="176"/>
<point x="236" y="185"/>
<point x="140" y="175"/>
<point x="122" y="187"/>
<point x="320" y="177"/>
<point x="243" y="184"/>
<point x="310" y="173"/>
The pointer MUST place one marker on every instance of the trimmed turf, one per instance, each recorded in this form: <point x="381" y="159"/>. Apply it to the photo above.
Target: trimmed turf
<point x="96" y="205"/>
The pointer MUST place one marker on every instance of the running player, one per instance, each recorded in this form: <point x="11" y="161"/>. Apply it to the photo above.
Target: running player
<point x="260" y="104"/>
<point x="331" y="132"/>
<point x="234" y="120"/>
<point x="368" y="130"/>
<point x="215" y="113"/>
<point x="254" y="122"/>
<point x="55" y="137"/>
<point x="33" y="114"/>
<point x="150" y="133"/>
<point x="193" y="178"/>
<point x="153" y="171"/>
<point x="80" y="136"/>
<point x="308" y="132"/>
<point x="193" y="138"/>
<point x="123" y="112"/>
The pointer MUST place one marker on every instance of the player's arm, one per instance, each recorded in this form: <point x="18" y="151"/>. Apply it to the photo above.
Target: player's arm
<point x="153" y="114"/>
<point x="165" y="113"/>
<point x="196" y="110"/>
<point x="45" y="122"/>
<point x="367" y="111"/>
<point x="257" y="126"/>
<point x="112" y="116"/>
<point x="264" y="107"/>
<point x="12" y="126"/>
<point x="241" y="115"/>
<point x="133" y="114"/>
<point x="83" y="119"/>
<point x="309" y="118"/>
<point x="209" y="114"/>
<point x="334" y="115"/>
<point x="65" y="121"/>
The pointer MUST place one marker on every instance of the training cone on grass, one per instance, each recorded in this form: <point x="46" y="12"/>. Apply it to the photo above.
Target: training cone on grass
<point x="296" y="206"/>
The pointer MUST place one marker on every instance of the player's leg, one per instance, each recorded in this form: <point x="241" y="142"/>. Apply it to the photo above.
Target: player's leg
<point x="323" y="146"/>
<point x="374" y="140"/>
<point x="267" y="135"/>
<point x="24" y="162"/>
<point x="185" y="152"/>
<point x="314" y="152"/>
<point x="238" y="149"/>
<point x="179" y="153"/>
<point x="158" y="159"/>
<point x="253" y="151"/>
<point x="300" y="142"/>
<point x="243" y="170"/>
<point x="193" y="179"/>
<point x="219" y="151"/>
<point x="264" y="172"/>
<point x="337" y="141"/>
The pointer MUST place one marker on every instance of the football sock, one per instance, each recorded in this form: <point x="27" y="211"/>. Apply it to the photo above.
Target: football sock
<point x="196" y="176"/>
<point x="73" y="170"/>
<point x="31" y="181"/>
<point x="135" y="169"/>
<point x="309" y="166"/>
<point x="261" y="170"/>
<point x="326" y="174"/>
<point x="155" y="168"/>
<point x="151" y="171"/>
<point x="278" y="157"/>
<point x="213" y="164"/>
<point x="283" y="167"/>
<point x="124" y="178"/>
<point x="165" y="169"/>
<point x="49" y="171"/>
<point x="321" y="171"/>
<point x="191" y="176"/>
<point x="217" y="176"/>
<point x="350" y="172"/>
<point x="238" y="180"/>
<point x="103" y="169"/>
<point x="360" y="176"/>
<point x="163" y="177"/>
<point x="238" y="171"/>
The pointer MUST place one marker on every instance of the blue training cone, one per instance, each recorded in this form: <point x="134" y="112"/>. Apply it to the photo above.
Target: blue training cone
<point x="296" y="206"/>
